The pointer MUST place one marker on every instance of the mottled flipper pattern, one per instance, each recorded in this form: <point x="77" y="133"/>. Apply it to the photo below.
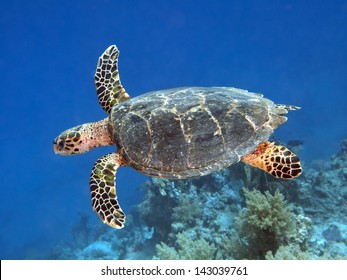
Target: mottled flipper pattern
<point x="103" y="190"/>
<point x="278" y="161"/>
<point x="108" y="86"/>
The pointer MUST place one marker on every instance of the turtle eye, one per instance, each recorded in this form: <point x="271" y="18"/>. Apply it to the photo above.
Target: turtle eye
<point x="61" y="144"/>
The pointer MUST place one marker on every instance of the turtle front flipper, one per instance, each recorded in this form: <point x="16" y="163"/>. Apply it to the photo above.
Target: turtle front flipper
<point x="103" y="190"/>
<point x="108" y="86"/>
<point x="278" y="161"/>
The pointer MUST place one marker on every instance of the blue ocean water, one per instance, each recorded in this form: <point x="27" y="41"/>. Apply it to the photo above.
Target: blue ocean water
<point x="294" y="52"/>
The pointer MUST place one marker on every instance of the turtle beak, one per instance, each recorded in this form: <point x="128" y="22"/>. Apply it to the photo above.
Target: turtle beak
<point x="55" y="146"/>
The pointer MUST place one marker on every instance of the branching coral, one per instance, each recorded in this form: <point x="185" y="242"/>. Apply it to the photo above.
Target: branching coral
<point x="187" y="249"/>
<point x="294" y="252"/>
<point x="265" y="224"/>
<point x="288" y="252"/>
<point x="187" y="211"/>
<point x="157" y="208"/>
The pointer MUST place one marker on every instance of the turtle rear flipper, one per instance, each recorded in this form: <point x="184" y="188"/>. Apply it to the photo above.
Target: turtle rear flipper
<point x="108" y="86"/>
<point x="278" y="161"/>
<point x="103" y="190"/>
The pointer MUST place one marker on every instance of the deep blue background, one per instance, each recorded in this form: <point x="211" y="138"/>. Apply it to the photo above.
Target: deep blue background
<point x="295" y="52"/>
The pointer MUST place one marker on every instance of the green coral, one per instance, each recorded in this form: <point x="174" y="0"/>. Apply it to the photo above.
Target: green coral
<point x="165" y="252"/>
<point x="187" y="211"/>
<point x="187" y="249"/>
<point x="294" y="252"/>
<point x="288" y="252"/>
<point x="267" y="212"/>
<point x="264" y="225"/>
<point x="151" y="208"/>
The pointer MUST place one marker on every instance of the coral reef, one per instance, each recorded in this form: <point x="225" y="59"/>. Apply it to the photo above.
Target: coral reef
<point x="264" y="225"/>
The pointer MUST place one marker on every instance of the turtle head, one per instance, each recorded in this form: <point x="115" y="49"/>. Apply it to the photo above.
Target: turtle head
<point x="69" y="142"/>
<point x="82" y="138"/>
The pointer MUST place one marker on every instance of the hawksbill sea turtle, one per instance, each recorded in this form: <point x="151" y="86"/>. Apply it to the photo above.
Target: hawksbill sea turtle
<point x="175" y="133"/>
